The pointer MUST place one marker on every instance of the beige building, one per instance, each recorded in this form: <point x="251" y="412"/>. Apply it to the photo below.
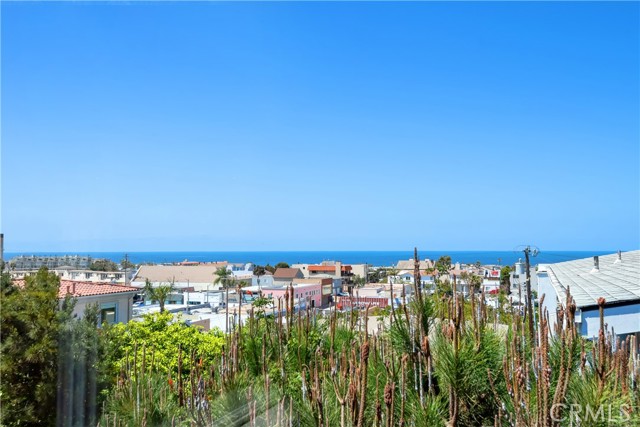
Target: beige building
<point x="198" y="277"/>
<point x="410" y="265"/>
<point x="285" y="276"/>
<point x="333" y="269"/>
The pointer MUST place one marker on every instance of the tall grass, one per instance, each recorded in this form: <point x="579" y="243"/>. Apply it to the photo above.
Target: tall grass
<point x="436" y="361"/>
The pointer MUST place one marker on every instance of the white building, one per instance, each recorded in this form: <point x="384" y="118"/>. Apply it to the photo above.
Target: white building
<point x="615" y="277"/>
<point x="69" y="273"/>
<point x="114" y="301"/>
<point x="264" y="280"/>
<point x="240" y="270"/>
<point x="34" y="262"/>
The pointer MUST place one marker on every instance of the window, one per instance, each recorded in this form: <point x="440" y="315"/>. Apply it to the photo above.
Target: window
<point x="108" y="313"/>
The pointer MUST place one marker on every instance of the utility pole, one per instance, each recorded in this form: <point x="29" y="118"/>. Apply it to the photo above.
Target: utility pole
<point x="126" y="263"/>
<point x="527" y="251"/>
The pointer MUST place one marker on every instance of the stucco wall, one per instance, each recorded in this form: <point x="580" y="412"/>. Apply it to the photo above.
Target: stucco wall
<point x="623" y="319"/>
<point x="551" y="298"/>
<point x="307" y="292"/>
<point x="122" y="302"/>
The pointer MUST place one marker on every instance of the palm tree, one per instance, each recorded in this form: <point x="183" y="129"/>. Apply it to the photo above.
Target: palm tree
<point x="160" y="293"/>
<point x="392" y="273"/>
<point x="222" y="277"/>
<point x="226" y="279"/>
<point x="259" y="271"/>
<point x="359" y="281"/>
<point x="472" y="281"/>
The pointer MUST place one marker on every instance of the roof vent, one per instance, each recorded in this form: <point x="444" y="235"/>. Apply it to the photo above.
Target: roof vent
<point x="619" y="259"/>
<point x="596" y="264"/>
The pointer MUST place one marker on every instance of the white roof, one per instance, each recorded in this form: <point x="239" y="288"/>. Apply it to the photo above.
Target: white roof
<point x="615" y="281"/>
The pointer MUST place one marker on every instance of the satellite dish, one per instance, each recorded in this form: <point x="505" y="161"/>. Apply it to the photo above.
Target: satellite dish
<point x="535" y="251"/>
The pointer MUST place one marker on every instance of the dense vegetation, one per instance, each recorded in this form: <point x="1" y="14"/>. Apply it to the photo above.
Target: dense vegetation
<point x="439" y="360"/>
<point x="103" y="265"/>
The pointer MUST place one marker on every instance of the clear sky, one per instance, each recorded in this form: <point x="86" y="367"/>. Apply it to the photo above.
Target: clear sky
<point x="319" y="126"/>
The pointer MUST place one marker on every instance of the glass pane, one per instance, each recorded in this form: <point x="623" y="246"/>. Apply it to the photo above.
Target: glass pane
<point x="108" y="315"/>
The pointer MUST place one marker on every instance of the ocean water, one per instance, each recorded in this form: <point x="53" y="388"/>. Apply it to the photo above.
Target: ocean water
<point x="376" y="258"/>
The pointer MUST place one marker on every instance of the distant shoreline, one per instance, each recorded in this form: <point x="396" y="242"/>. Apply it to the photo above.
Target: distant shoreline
<point x="376" y="258"/>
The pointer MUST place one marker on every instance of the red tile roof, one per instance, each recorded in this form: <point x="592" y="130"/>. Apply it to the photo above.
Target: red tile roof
<point x="86" y="289"/>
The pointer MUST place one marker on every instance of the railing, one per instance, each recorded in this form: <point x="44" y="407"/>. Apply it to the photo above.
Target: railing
<point x="349" y="302"/>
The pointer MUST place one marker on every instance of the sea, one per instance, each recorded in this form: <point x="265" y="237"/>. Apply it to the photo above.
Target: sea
<point x="375" y="258"/>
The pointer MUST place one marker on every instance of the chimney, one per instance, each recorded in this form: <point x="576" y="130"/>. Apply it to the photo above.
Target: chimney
<point x="596" y="264"/>
<point x="68" y="289"/>
<point x="73" y="289"/>
<point x="619" y="259"/>
<point x="338" y="269"/>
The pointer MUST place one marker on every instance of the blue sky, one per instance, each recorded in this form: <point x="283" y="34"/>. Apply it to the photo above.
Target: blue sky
<point x="319" y="126"/>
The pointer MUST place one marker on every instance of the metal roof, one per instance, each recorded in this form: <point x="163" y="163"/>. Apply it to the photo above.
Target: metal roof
<point x="615" y="280"/>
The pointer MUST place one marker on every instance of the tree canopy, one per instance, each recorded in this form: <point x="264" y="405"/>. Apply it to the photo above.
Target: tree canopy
<point x="126" y="264"/>
<point x="505" y="279"/>
<point x="259" y="270"/>
<point x="31" y="323"/>
<point x="224" y="277"/>
<point x="161" y="333"/>
<point x="443" y="264"/>
<point x="103" y="265"/>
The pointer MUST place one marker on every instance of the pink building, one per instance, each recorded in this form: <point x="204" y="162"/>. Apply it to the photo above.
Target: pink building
<point x="311" y="293"/>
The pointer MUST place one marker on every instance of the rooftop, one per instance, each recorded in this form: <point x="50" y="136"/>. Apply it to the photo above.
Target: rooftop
<point x="410" y="264"/>
<point x="328" y="268"/>
<point x="202" y="273"/>
<point x="86" y="289"/>
<point x="287" y="273"/>
<point x="615" y="280"/>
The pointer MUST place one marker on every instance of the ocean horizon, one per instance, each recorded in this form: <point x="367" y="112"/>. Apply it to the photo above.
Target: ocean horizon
<point x="375" y="258"/>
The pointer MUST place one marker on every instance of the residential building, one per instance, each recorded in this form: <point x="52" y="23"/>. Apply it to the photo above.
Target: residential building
<point x="342" y="274"/>
<point x="265" y="279"/>
<point x="71" y="274"/>
<point x="410" y="264"/>
<point x="614" y="277"/>
<point x="303" y="294"/>
<point x="34" y="262"/>
<point x="114" y="301"/>
<point x="241" y="270"/>
<point x="199" y="277"/>
<point x="406" y="276"/>
<point x="210" y="298"/>
<point x="325" y="284"/>
<point x="285" y="276"/>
